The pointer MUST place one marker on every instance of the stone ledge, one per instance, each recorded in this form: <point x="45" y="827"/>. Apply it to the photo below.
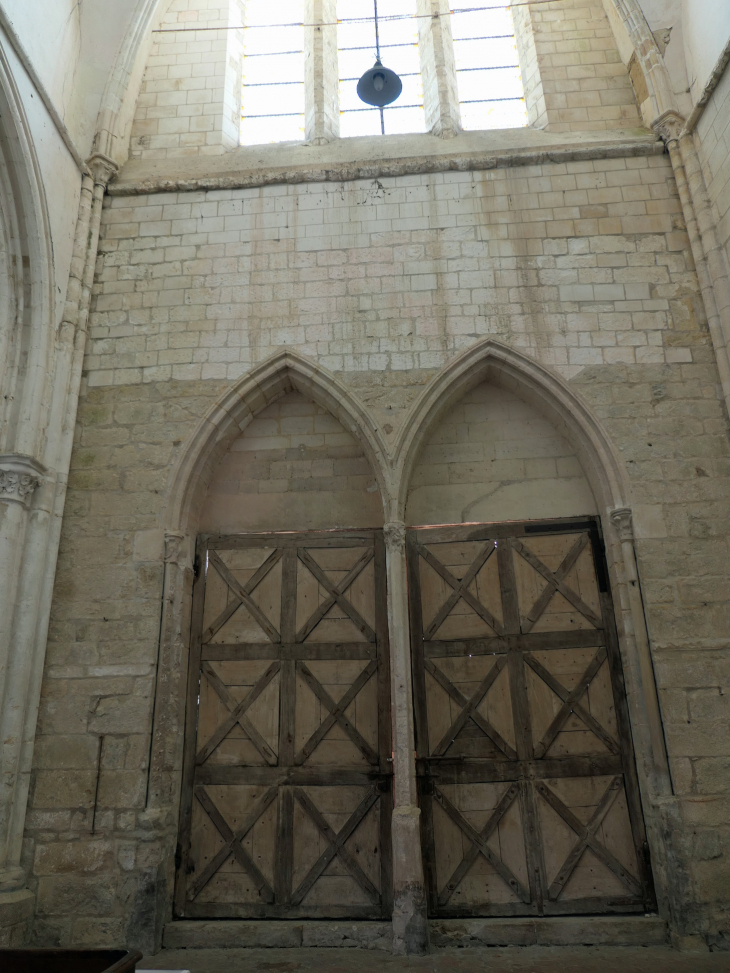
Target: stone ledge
<point x="240" y="169"/>
<point x="551" y="931"/>
<point x="546" y="931"/>
<point x="275" y="933"/>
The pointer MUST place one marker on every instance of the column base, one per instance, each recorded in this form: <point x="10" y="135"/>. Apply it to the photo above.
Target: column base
<point x="16" y="912"/>
<point x="410" y="917"/>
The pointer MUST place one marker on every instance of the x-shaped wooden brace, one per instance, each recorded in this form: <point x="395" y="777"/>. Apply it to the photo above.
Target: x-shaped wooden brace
<point x="242" y="595"/>
<point x="571" y="703"/>
<point x="469" y="708"/>
<point x="556" y="582"/>
<point x="460" y="589"/>
<point x="336" y="713"/>
<point x="587" y="838"/>
<point x="237" y="714"/>
<point x="479" y="845"/>
<point x="336" y="846"/>
<point x="233" y="844"/>
<point x="336" y="594"/>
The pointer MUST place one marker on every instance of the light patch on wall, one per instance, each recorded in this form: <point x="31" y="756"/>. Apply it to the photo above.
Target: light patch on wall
<point x="273" y="72"/>
<point x="488" y="76"/>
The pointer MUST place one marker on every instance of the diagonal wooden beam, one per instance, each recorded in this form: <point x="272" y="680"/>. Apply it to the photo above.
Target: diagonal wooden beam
<point x="235" y="603"/>
<point x="464" y="593"/>
<point x="233" y="842"/>
<point x="571" y="703"/>
<point x="505" y="803"/>
<point x="457" y="593"/>
<point x="476" y="839"/>
<point x="469" y="708"/>
<point x="233" y="717"/>
<point x="354" y="572"/>
<point x="568" y="866"/>
<point x="599" y="850"/>
<point x="246" y="725"/>
<point x="326" y="725"/>
<point x="336" y="595"/>
<point x="556" y="583"/>
<point x="243" y="594"/>
<point x="338" y="712"/>
<point x="336" y="846"/>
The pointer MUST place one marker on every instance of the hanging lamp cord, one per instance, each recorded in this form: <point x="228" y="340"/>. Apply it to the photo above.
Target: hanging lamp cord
<point x="377" y="30"/>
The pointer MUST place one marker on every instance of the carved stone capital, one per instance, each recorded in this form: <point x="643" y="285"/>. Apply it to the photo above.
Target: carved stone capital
<point x="174" y="552"/>
<point x="623" y="522"/>
<point x="102" y="168"/>
<point x="668" y="126"/>
<point x="19" y="476"/>
<point x="395" y="535"/>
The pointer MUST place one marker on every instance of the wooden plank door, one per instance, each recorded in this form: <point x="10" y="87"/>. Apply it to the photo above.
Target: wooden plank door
<point x="527" y="780"/>
<point x="287" y="779"/>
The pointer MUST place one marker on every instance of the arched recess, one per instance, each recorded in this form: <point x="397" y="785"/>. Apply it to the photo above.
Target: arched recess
<point x="284" y="372"/>
<point x="27" y="280"/>
<point x="497" y="363"/>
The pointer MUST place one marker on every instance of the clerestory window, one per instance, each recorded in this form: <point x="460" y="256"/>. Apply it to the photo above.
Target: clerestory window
<point x="488" y="77"/>
<point x="273" y="71"/>
<point x="357" y="46"/>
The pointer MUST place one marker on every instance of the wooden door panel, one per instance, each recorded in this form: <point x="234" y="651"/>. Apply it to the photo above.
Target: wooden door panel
<point x="526" y="773"/>
<point x="286" y="801"/>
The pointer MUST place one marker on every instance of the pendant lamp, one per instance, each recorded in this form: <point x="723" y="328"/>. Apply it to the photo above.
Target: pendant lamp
<point x="379" y="86"/>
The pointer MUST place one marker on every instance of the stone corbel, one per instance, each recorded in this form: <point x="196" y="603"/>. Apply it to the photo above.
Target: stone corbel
<point x="102" y="169"/>
<point x="395" y="536"/>
<point x="19" y="477"/>
<point x="176" y="549"/>
<point x="668" y="126"/>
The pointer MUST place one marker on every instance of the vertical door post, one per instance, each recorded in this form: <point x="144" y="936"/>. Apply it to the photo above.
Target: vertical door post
<point x="410" y="923"/>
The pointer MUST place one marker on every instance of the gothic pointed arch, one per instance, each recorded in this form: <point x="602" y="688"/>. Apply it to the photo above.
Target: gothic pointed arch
<point x="492" y="361"/>
<point x="283" y="372"/>
<point x="26" y="275"/>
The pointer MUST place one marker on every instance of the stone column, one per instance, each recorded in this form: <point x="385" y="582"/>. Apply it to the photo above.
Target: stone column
<point x="410" y="923"/>
<point x="321" y="72"/>
<point x="622" y="521"/>
<point x="709" y="256"/>
<point x="19" y="478"/>
<point x="440" y="96"/>
<point x="29" y="538"/>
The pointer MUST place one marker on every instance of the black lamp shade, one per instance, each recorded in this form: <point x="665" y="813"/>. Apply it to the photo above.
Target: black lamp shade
<point x="379" y="86"/>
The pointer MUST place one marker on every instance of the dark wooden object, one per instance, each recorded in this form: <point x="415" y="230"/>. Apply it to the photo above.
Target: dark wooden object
<point x="69" y="960"/>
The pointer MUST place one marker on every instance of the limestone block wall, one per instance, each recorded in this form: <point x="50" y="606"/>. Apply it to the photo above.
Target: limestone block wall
<point x="713" y="142"/>
<point x="293" y="468"/>
<point x="573" y="75"/>
<point x="190" y="99"/>
<point x="495" y="458"/>
<point x="582" y="265"/>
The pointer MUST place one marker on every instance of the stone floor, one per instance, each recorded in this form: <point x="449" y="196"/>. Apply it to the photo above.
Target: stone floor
<point x="533" y="959"/>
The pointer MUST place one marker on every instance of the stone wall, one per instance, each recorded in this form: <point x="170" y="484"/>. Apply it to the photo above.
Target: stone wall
<point x="495" y="458"/>
<point x="583" y="265"/>
<point x="293" y="468"/>
<point x="190" y="100"/>
<point x="713" y="141"/>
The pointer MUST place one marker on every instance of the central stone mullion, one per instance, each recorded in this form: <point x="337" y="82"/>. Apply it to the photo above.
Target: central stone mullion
<point x="321" y="73"/>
